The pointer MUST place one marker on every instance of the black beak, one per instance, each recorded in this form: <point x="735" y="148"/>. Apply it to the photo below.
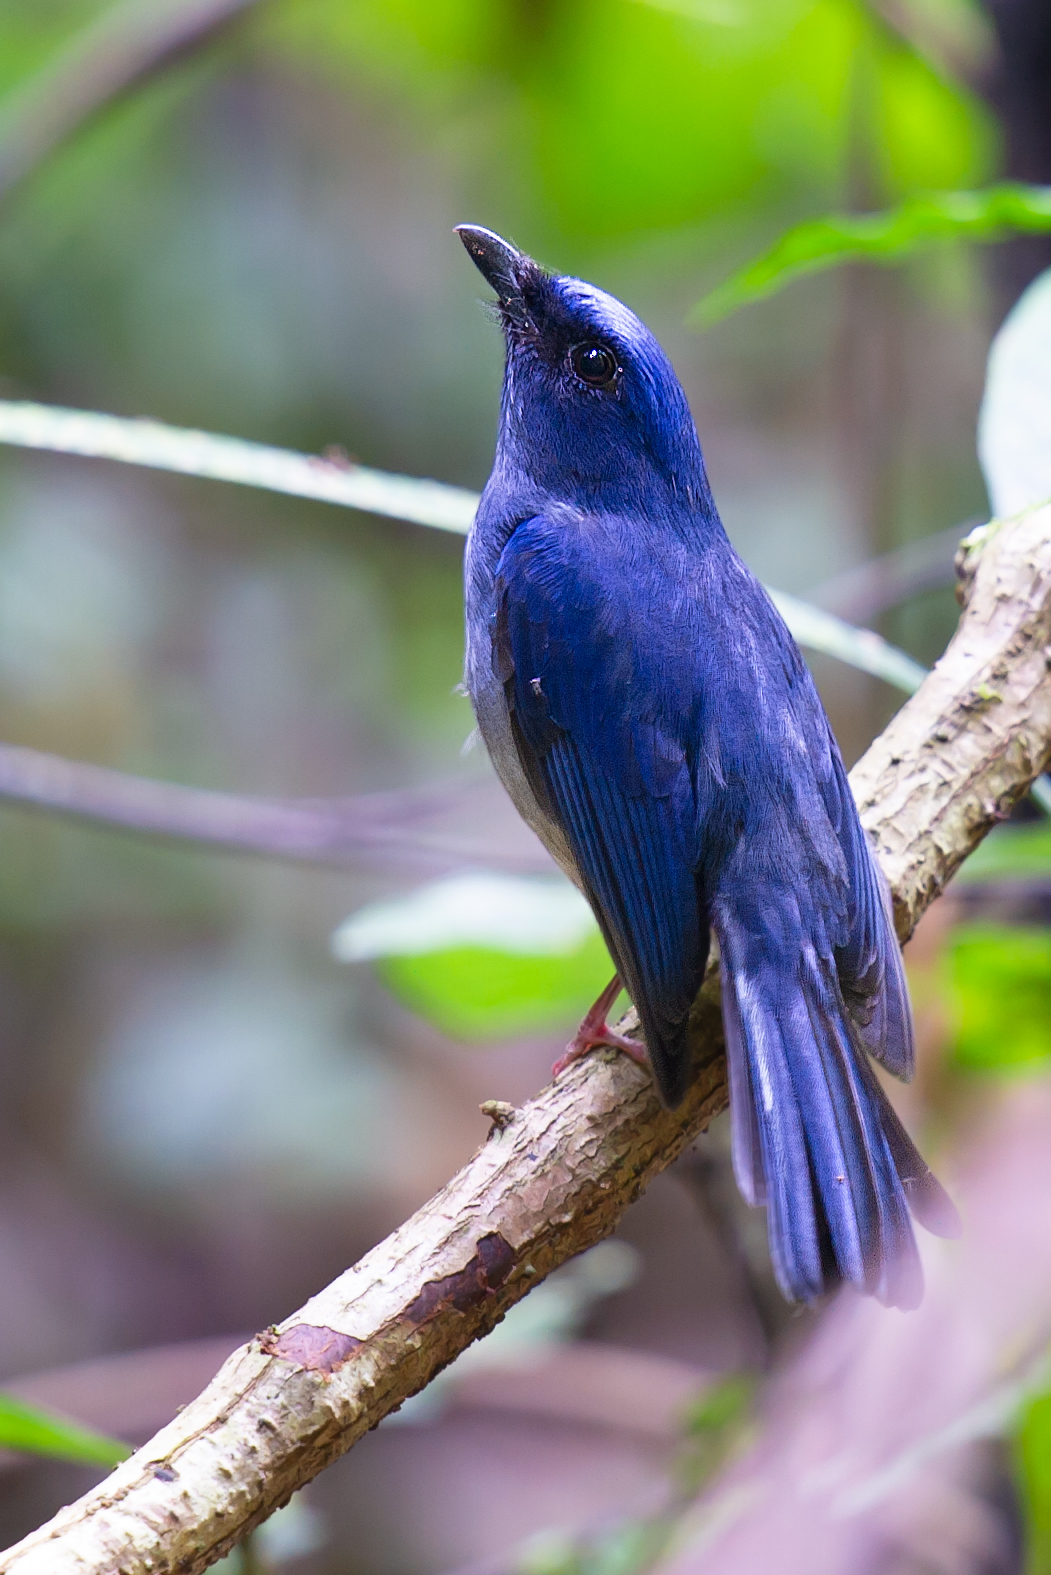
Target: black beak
<point x="500" y="263"/>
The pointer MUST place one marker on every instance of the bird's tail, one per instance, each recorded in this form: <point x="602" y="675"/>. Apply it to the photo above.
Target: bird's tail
<point x="814" y="1137"/>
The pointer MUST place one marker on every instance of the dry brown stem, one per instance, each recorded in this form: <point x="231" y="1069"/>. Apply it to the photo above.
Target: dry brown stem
<point x="557" y="1175"/>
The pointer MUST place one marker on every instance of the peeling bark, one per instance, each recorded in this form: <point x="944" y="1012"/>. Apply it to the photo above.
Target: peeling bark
<point x="555" y="1176"/>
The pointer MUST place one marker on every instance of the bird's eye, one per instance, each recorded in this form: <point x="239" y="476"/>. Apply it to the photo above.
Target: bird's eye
<point x="593" y="364"/>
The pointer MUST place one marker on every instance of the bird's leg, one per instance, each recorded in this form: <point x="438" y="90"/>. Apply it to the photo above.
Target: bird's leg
<point x="594" y="1032"/>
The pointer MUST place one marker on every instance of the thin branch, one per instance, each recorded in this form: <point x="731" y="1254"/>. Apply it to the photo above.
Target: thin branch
<point x="864" y="593"/>
<point x="432" y="503"/>
<point x="818" y="630"/>
<point x="116" y="52"/>
<point x="215" y="458"/>
<point x="398" y="827"/>
<point x="556" y="1176"/>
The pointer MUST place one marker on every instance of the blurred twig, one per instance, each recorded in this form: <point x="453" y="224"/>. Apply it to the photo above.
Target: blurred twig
<point x="332" y="830"/>
<point x="217" y="458"/>
<point x="390" y="826"/>
<point x="864" y="593"/>
<point x="818" y="630"/>
<point x="118" y="51"/>
<point x="557" y="1177"/>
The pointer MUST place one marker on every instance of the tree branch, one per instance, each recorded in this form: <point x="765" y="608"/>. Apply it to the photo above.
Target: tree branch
<point x="556" y="1176"/>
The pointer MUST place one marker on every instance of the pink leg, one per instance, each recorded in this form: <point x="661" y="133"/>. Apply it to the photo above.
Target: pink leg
<point x="594" y="1032"/>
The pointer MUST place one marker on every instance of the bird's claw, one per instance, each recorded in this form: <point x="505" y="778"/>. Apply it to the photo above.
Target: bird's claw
<point x="578" y="1047"/>
<point x="591" y="1036"/>
<point x="595" y="1033"/>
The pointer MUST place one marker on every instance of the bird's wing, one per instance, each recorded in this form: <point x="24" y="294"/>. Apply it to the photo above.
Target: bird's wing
<point x="859" y="922"/>
<point x="599" y="723"/>
<point x="871" y="972"/>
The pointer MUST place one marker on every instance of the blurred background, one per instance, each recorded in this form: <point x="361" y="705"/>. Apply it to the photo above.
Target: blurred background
<point x="237" y="217"/>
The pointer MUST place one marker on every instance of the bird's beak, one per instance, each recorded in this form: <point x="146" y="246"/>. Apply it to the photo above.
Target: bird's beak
<point x="500" y="263"/>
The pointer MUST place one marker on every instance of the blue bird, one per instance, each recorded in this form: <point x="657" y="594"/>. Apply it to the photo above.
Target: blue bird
<point x="653" y="721"/>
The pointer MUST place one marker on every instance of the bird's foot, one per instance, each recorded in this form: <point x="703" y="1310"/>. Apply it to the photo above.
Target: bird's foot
<point x="601" y="1035"/>
<point x="595" y="1033"/>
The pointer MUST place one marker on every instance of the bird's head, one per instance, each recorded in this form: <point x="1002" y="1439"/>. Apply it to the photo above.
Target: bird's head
<point x="592" y="413"/>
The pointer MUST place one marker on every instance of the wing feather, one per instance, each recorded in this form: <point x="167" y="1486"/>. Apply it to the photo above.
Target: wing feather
<point x="589" y="725"/>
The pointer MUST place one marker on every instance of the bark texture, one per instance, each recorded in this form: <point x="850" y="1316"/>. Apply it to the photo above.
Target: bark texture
<point x="555" y="1176"/>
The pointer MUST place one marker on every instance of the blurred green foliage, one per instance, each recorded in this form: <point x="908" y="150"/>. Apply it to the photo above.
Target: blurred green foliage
<point x="1031" y="1448"/>
<point x="478" y="993"/>
<point x="625" y="1549"/>
<point x="33" y="1431"/>
<point x="591" y="119"/>
<point x="31" y="34"/>
<point x="622" y="114"/>
<point x="1010" y="853"/>
<point x="715" y="1426"/>
<point x="998" y="976"/>
<point x="1000" y="991"/>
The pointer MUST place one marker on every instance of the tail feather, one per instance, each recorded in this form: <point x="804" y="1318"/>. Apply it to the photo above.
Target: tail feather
<point x="813" y="1134"/>
<point x="784" y="1150"/>
<point x="875" y="1205"/>
<point x="869" y="964"/>
<point x="882" y="1018"/>
<point x="927" y="1199"/>
<point x="854" y="1174"/>
<point x="746" y="1140"/>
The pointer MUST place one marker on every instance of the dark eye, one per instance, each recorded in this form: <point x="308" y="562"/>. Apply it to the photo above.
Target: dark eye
<point x="593" y="364"/>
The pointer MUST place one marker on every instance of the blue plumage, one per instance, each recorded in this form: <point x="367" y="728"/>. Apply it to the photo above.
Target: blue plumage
<point x="655" y="723"/>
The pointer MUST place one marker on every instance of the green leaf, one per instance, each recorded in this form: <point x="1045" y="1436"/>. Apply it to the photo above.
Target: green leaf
<point x="478" y="993"/>
<point x="484" y="956"/>
<point x="1031" y="1448"/>
<point x="36" y="1432"/>
<point x="1010" y="853"/>
<point x="726" y="1404"/>
<point x="883" y="237"/>
<point x="715" y="1425"/>
<point x="1000" y="983"/>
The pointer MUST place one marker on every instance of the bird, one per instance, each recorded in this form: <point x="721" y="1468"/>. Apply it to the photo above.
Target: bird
<point x="654" y="722"/>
